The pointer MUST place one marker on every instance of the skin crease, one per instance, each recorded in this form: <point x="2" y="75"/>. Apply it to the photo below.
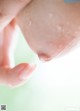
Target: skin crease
<point x="50" y="26"/>
<point x="9" y="9"/>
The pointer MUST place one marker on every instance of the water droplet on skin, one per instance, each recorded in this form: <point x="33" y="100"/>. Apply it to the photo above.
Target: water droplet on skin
<point x="59" y="27"/>
<point x="30" y="23"/>
<point x="51" y="15"/>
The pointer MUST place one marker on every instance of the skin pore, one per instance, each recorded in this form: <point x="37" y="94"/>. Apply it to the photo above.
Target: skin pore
<point x="50" y="26"/>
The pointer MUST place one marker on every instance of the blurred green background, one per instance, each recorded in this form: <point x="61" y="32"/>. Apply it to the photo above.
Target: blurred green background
<point x="42" y="92"/>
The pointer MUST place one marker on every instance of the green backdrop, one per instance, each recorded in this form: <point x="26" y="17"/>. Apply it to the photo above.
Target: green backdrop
<point x="35" y="94"/>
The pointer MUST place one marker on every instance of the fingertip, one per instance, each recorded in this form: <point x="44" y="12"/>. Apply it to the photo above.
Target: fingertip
<point x="26" y="72"/>
<point x="20" y="74"/>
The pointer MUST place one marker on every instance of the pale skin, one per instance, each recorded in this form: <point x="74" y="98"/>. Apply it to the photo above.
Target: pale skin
<point x="10" y="75"/>
<point x="49" y="26"/>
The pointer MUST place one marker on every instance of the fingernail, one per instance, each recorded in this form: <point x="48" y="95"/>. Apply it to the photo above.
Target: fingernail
<point x="26" y="72"/>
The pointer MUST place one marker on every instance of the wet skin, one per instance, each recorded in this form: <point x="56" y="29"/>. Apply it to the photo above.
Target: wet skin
<point x="50" y="26"/>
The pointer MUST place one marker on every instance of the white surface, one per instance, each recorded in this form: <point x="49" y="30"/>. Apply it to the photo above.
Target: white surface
<point x="58" y="82"/>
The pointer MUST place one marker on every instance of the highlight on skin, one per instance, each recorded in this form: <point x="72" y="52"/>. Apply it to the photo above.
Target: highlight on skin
<point x="50" y="26"/>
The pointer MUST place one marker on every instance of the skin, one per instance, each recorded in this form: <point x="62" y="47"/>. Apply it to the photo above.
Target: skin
<point x="9" y="9"/>
<point x="10" y="75"/>
<point x="50" y="26"/>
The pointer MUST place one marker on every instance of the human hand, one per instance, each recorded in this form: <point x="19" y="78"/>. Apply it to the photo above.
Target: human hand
<point x="10" y="75"/>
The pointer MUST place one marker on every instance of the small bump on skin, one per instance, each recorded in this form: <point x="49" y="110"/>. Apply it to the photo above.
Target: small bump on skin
<point x="51" y="15"/>
<point x="60" y="28"/>
<point x="30" y="22"/>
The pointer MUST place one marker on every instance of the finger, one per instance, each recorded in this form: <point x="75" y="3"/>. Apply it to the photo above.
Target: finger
<point x="10" y="38"/>
<point x="9" y="34"/>
<point x="16" y="76"/>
